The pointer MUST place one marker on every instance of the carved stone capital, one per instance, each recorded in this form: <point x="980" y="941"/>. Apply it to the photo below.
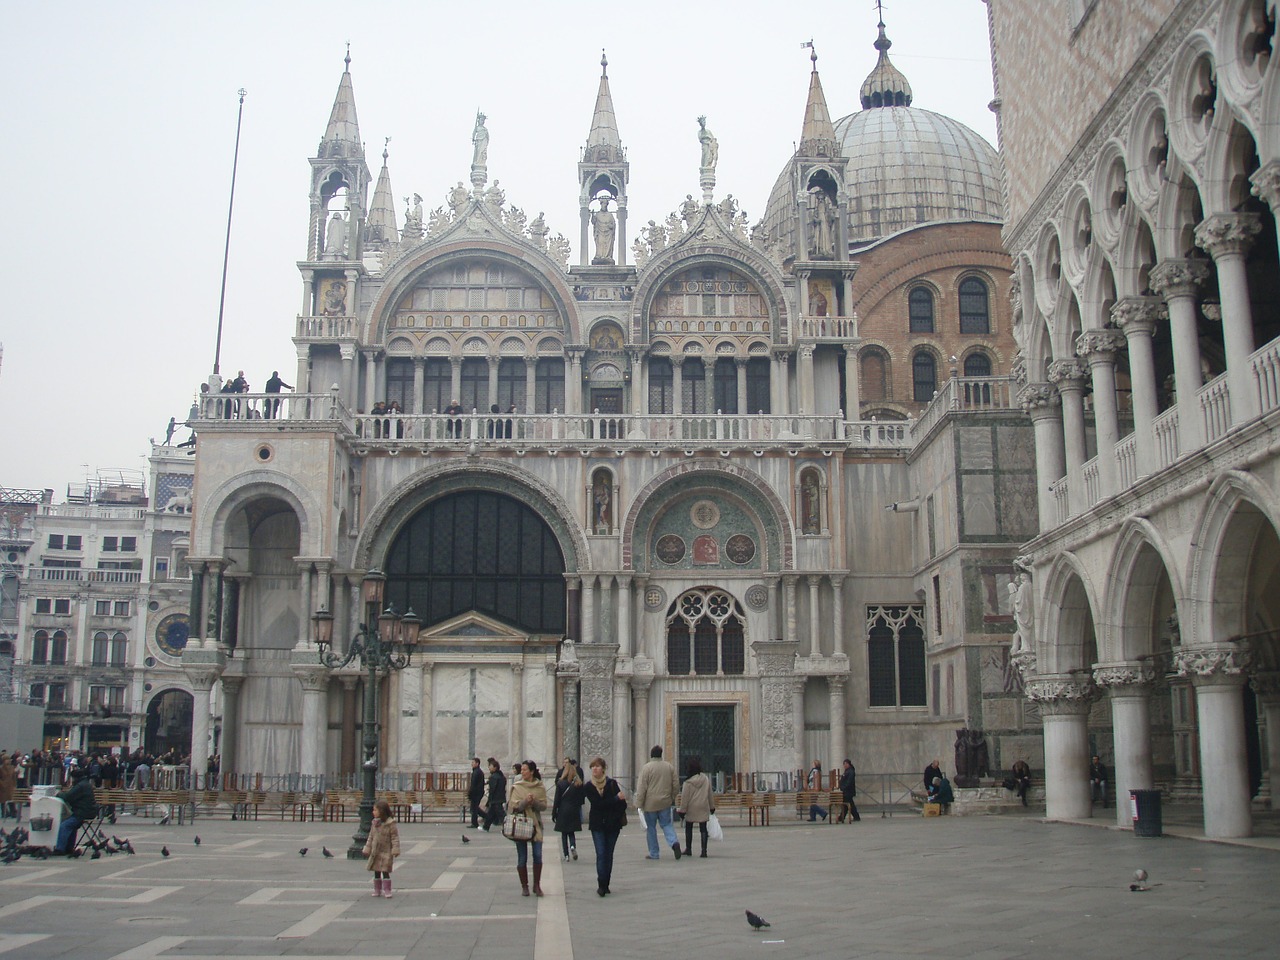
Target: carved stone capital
<point x="1266" y="684"/>
<point x="1062" y="696"/>
<point x="203" y="665"/>
<point x="1024" y="661"/>
<point x="1124" y="678"/>
<point x="775" y="658"/>
<point x="836" y="684"/>
<point x="1068" y="374"/>
<point x="1137" y="316"/>
<point x="231" y="685"/>
<point x="1213" y="664"/>
<point x="1018" y="369"/>
<point x="597" y="659"/>
<point x="202" y="677"/>
<point x="1178" y="278"/>
<point x="1099" y="346"/>
<point x="1266" y="183"/>
<point x="1040" y="400"/>
<point x="1225" y="234"/>
<point x="313" y="675"/>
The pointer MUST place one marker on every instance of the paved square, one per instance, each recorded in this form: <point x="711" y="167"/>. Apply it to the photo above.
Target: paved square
<point x="886" y="887"/>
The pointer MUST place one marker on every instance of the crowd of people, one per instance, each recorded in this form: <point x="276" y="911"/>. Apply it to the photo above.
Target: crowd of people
<point x="107" y="770"/>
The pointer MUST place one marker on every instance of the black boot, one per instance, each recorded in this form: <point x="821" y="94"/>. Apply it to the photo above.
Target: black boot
<point x="675" y="848"/>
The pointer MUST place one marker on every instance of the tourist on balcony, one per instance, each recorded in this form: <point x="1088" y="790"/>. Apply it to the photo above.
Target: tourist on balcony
<point x="272" y="407"/>
<point x="494" y="427"/>
<point x="380" y="424"/>
<point x="453" y="428"/>
<point x="510" y="425"/>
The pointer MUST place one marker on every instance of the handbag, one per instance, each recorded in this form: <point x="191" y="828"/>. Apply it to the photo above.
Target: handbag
<point x="516" y="826"/>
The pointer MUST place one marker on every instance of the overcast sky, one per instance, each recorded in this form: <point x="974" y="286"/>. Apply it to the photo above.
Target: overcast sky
<point x="121" y="123"/>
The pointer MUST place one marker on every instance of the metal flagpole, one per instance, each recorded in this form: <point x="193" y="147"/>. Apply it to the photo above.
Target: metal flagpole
<point x="226" y="250"/>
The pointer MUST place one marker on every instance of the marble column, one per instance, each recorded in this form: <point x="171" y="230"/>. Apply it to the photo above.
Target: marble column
<point x="195" y="611"/>
<point x="517" y="709"/>
<point x="815" y="616"/>
<point x="589" y="632"/>
<point x="622" y="767"/>
<point x="231" y="687"/>
<point x="1043" y="404"/>
<point x="852" y="384"/>
<point x="835" y="695"/>
<point x="1265" y="185"/>
<point x="1179" y="282"/>
<point x="1266" y="685"/>
<point x="350" y="392"/>
<point x="1218" y="674"/>
<point x="493" y="380"/>
<point x="314" y="677"/>
<point x="1098" y="349"/>
<point x="1069" y="376"/>
<point x="347" y="749"/>
<point x="455" y="379"/>
<point x="428" y="724"/>
<point x="1136" y="317"/>
<point x="1227" y="238"/>
<point x="804" y="375"/>
<point x="837" y="618"/>
<point x="531" y="386"/>
<point x="573" y="609"/>
<point x="677" y="386"/>
<point x="370" y="380"/>
<point x="203" y="664"/>
<point x="640" y="710"/>
<point x="569" y="710"/>
<point x="304" y="593"/>
<point x="800" y="762"/>
<point x="1064" y="704"/>
<point x="419" y="384"/>
<point x="789" y="601"/>
<point x="1129" y="686"/>
<point x="302" y="373"/>
<point x="624" y="615"/>
<point x="740" y="368"/>
<point x="573" y="386"/>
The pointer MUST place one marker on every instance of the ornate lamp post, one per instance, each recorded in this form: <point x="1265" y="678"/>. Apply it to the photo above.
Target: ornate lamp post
<point x="385" y="648"/>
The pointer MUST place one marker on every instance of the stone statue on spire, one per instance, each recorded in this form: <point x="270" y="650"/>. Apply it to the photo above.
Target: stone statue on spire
<point x="604" y="225"/>
<point x="480" y="140"/>
<point x="710" y="146"/>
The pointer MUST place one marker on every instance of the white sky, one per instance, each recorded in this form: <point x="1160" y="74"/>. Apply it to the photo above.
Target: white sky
<point x="121" y="124"/>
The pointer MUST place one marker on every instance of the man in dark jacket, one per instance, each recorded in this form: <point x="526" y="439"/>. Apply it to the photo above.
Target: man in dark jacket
<point x="497" y="795"/>
<point x="1098" y="781"/>
<point x="849" y="789"/>
<point x="475" y="793"/>
<point x="81" y="806"/>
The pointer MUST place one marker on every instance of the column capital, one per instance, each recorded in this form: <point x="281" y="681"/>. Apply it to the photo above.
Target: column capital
<point x="1040" y="400"/>
<point x="1062" y="695"/>
<point x="741" y="362"/>
<point x="1178" y="277"/>
<point x="1224" y="234"/>
<point x="1125" y="677"/>
<point x="1018" y="369"/>
<point x="1213" y="663"/>
<point x="1266" y="183"/>
<point x="1068" y="374"/>
<point x="836" y="683"/>
<point x="347" y="351"/>
<point x="1137" y="316"/>
<point x="313" y="675"/>
<point x="231" y="685"/>
<point x="1266" y="684"/>
<point x="1099" y="346"/>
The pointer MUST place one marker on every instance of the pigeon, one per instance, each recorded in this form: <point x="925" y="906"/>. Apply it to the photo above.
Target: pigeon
<point x="128" y="847"/>
<point x="328" y="855"/>
<point x="465" y="838"/>
<point x="197" y="839"/>
<point x="756" y="921"/>
<point x="165" y="819"/>
<point x="1138" y="885"/>
<point x="302" y="852"/>
<point x="117" y="841"/>
<point x="164" y="851"/>
<point x="96" y="855"/>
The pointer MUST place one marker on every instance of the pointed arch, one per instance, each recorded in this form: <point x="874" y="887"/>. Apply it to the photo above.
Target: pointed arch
<point x="1070" y="604"/>
<point x="1141" y="557"/>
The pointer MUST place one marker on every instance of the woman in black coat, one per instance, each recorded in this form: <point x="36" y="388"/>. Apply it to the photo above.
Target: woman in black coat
<point x="566" y="809"/>
<point x="496" y="811"/>
<point x="607" y="817"/>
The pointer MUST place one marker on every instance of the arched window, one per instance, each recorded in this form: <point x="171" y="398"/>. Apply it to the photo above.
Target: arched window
<point x="101" y="648"/>
<point x="693" y="386"/>
<point x="974" y="311"/>
<point x="475" y="384"/>
<point x="758" y="386"/>
<point x="924" y="376"/>
<point x="895" y="656"/>
<point x="660" y="380"/>
<point x="705" y="634"/>
<point x="920" y="310"/>
<point x="977" y="365"/>
<point x="726" y="377"/>
<point x="58" y="648"/>
<point x="511" y="384"/>
<point x="119" y="650"/>
<point x="874" y="374"/>
<point x="549" y="385"/>
<point x="437" y="384"/>
<point x="400" y="384"/>
<point x="40" y="647"/>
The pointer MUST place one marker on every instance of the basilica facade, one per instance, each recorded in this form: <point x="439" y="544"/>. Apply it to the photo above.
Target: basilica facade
<point x="698" y="485"/>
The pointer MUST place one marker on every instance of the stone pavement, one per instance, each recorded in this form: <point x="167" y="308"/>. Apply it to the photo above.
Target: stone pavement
<point x="951" y="887"/>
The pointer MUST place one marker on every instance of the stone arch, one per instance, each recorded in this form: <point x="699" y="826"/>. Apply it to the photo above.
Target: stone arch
<point x="234" y="493"/>
<point x="1070" y="615"/>
<point x="1141" y="557"/>
<point x="1236" y="507"/>
<point x="404" y="500"/>
<point x="746" y="486"/>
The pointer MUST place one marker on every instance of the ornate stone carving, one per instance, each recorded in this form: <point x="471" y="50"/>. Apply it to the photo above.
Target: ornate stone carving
<point x="1138" y="315"/>
<point x="1024" y="661"/>
<point x="1124" y="677"/>
<point x="1178" y="277"/>
<point x="655" y="598"/>
<point x="1068" y="373"/>
<point x="1266" y="183"/>
<point x="1039" y="398"/>
<point x="1099" y="346"/>
<point x="312" y="674"/>
<point x="1018" y="369"/>
<point x="1213" y="663"/>
<point x="1224" y="234"/>
<point x="1061" y="696"/>
<point x="757" y="597"/>
<point x="1266" y="684"/>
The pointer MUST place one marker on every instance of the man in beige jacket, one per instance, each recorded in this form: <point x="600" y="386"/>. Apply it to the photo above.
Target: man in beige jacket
<point x="656" y="793"/>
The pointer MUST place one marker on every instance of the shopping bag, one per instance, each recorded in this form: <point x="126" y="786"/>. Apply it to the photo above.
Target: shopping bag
<point x="714" y="830"/>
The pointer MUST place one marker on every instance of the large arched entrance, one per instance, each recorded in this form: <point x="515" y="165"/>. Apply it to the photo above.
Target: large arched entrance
<point x="169" y="723"/>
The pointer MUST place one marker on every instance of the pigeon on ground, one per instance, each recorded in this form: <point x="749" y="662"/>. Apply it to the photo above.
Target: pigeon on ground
<point x="164" y="851"/>
<point x="197" y="839"/>
<point x="96" y="855"/>
<point x="302" y="852"/>
<point x="328" y="855"/>
<point x="465" y="838"/>
<point x="1138" y="885"/>
<point x="165" y="819"/>
<point x="756" y="921"/>
<point x="117" y="841"/>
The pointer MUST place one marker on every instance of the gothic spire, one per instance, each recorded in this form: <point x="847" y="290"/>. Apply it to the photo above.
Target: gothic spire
<point x="604" y="143"/>
<point x="818" y="138"/>
<point x="342" y="136"/>
<point x="381" y="225"/>
<point x="885" y="85"/>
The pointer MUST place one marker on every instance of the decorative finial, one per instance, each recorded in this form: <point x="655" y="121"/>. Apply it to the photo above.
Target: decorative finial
<point x="385" y="142"/>
<point x="347" y="58"/>
<point x="813" y="53"/>
<point x="604" y="63"/>
<point x="242" y="92"/>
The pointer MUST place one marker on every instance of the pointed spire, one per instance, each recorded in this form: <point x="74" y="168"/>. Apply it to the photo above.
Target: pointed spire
<point x="885" y="86"/>
<point x="342" y="136"/>
<point x="380" y="229"/>
<point x="818" y="139"/>
<point x="604" y="143"/>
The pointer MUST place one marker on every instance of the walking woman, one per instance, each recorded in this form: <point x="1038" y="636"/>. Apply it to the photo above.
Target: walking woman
<point x="529" y="796"/>
<point x="566" y="808"/>
<point x="695" y="804"/>
<point x="606" y="820"/>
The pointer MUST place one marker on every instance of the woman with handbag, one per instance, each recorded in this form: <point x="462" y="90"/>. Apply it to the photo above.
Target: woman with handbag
<point x="695" y="804"/>
<point x="528" y="799"/>
<point x="607" y="818"/>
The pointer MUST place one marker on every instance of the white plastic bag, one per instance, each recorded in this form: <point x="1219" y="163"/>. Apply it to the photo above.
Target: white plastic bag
<point x="714" y="830"/>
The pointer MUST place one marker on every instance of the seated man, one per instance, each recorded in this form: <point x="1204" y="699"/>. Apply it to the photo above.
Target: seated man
<point x="1021" y="773"/>
<point x="940" y="792"/>
<point x="1098" y="781"/>
<point x="81" y="806"/>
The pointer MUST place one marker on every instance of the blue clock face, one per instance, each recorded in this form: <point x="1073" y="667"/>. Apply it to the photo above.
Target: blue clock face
<point x="171" y="635"/>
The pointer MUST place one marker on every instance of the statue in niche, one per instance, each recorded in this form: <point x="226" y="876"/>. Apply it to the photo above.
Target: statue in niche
<point x="604" y="225"/>
<point x="710" y="146"/>
<point x="810" y="504"/>
<point x="335" y="236"/>
<point x="1023" y="614"/>
<point x="480" y="141"/>
<point x="822" y="224"/>
<point x="601" y="503"/>
<point x="457" y="198"/>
